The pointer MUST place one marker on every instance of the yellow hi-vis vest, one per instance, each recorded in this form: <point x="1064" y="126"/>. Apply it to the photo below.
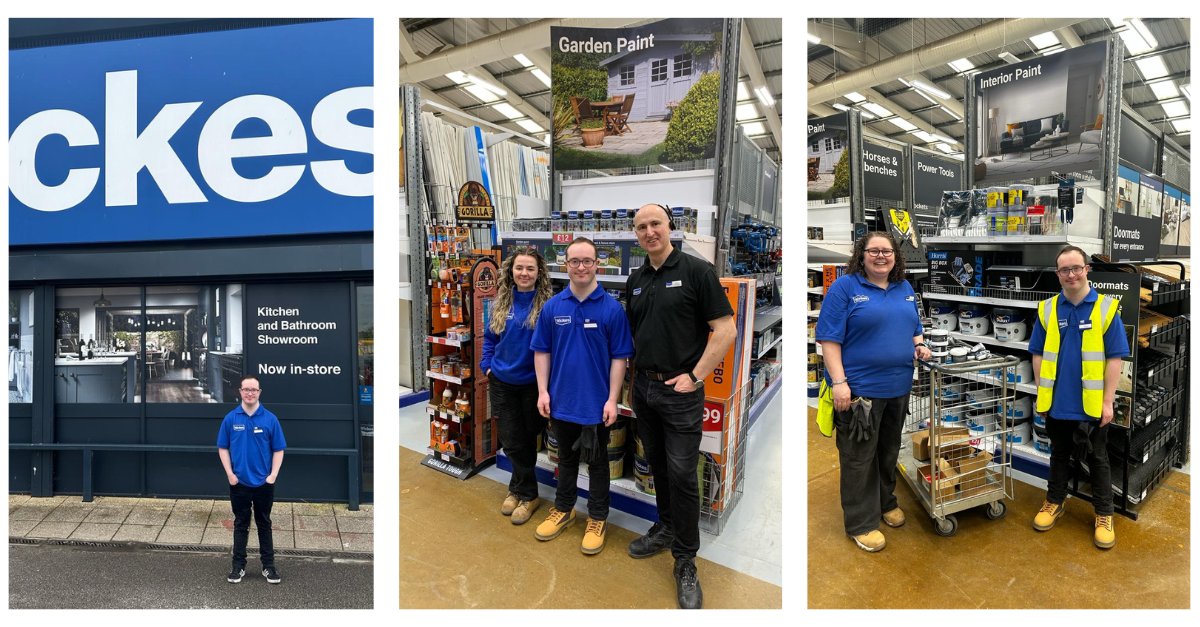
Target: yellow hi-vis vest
<point x="1103" y="313"/>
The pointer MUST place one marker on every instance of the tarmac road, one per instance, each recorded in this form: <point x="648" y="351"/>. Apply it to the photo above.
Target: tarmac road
<point x="123" y="577"/>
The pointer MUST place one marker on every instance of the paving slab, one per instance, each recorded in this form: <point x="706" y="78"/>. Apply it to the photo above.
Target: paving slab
<point x="355" y="525"/>
<point x="341" y="510"/>
<point x="326" y="540"/>
<point x="26" y="512"/>
<point x="61" y="530"/>
<point x="147" y="516"/>
<point x="68" y="513"/>
<point x="19" y="528"/>
<point x="312" y="509"/>
<point x="154" y="503"/>
<point x="137" y="533"/>
<point x="188" y="518"/>
<point x="180" y="535"/>
<point x="364" y="542"/>
<point x="315" y="523"/>
<point x="194" y="505"/>
<point x="97" y="532"/>
<point x="107" y="515"/>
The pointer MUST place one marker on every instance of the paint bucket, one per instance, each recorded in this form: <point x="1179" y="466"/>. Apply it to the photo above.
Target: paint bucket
<point x="616" y="463"/>
<point x="617" y="433"/>
<point x="944" y="315"/>
<point x="1041" y="439"/>
<point x="1019" y="410"/>
<point x="551" y="446"/>
<point x="1022" y="373"/>
<point x="980" y="422"/>
<point x="973" y="319"/>
<point x="958" y="354"/>
<point x="1012" y="325"/>
<point x="1022" y="433"/>
<point x="641" y="475"/>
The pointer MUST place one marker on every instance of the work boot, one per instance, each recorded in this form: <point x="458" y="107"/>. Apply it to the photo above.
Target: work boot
<point x="510" y="503"/>
<point x="657" y="540"/>
<point x="871" y="541"/>
<point x="1049" y="513"/>
<point x="593" y="537"/>
<point x="687" y="586"/>
<point x="524" y="511"/>
<point x="894" y="518"/>
<point x="1105" y="536"/>
<point x="555" y="524"/>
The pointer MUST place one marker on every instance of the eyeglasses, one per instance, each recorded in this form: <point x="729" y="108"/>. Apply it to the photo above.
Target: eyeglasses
<point x="575" y="263"/>
<point x="1070" y="271"/>
<point x="251" y="391"/>
<point x="880" y="252"/>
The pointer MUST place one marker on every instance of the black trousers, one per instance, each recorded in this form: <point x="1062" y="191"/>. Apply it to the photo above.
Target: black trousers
<point x="243" y="499"/>
<point x="868" y="477"/>
<point x="515" y="407"/>
<point x="670" y="426"/>
<point x="1062" y="449"/>
<point x="568" y="470"/>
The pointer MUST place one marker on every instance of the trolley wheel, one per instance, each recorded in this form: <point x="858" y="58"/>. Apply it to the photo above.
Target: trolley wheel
<point x="946" y="527"/>
<point x="996" y="510"/>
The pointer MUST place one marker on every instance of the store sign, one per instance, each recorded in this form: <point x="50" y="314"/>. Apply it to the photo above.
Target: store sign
<point x="932" y="176"/>
<point x="1134" y="238"/>
<point x="474" y="204"/>
<point x="250" y="132"/>
<point x="882" y="172"/>
<point x="301" y="341"/>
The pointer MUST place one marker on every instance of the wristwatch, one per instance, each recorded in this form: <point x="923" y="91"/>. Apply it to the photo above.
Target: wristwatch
<point x="696" y="382"/>
<point x="921" y="343"/>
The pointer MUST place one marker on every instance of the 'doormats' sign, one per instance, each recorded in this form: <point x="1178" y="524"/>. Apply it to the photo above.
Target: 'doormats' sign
<point x="260" y="131"/>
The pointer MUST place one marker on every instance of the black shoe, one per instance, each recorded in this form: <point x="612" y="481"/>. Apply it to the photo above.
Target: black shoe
<point x="657" y="540"/>
<point x="271" y="574"/>
<point x="687" y="586"/>
<point x="235" y="574"/>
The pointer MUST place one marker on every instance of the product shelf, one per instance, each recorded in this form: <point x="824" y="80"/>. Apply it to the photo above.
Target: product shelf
<point x="767" y="318"/>
<point x="997" y="297"/>
<point x="766" y="350"/>
<point x="433" y="339"/>
<point x="445" y="377"/>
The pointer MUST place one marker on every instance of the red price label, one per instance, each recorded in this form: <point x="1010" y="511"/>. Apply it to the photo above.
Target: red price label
<point x="714" y="416"/>
<point x="563" y="238"/>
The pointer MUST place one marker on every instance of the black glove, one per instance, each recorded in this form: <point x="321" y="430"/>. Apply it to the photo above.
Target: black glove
<point x="861" y="426"/>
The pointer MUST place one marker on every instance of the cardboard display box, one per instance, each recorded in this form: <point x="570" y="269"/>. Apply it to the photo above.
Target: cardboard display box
<point x="958" y="269"/>
<point x="920" y="445"/>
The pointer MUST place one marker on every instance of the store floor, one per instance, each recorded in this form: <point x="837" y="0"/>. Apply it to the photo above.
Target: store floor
<point x="997" y="564"/>
<point x="458" y="551"/>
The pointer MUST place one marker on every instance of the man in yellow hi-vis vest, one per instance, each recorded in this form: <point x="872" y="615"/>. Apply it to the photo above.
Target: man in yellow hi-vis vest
<point x="1077" y="345"/>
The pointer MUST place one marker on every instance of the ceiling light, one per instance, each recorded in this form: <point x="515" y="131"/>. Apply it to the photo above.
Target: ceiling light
<point x="523" y="60"/>
<point x="1175" y="109"/>
<point x="754" y="128"/>
<point x="1183" y="125"/>
<point x="1137" y="37"/>
<point x="458" y="77"/>
<point x="541" y="76"/>
<point x="1117" y="22"/>
<point x="855" y="97"/>
<point x="1045" y="40"/>
<point x="764" y="95"/>
<point x="487" y="85"/>
<point x="840" y="107"/>
<point x="930" y="89"/>
<point x="952" y="114"/>
<point x="867" y="114"/>
<point x="924" y="136"/>
<point x="1153" y="67"/>
<point x="813" y="39"/>
<point x="1140" y="26"/>
<point x="508" y="111"/>
<point x="1164" y="89"/>
<point x="1009" y="57"/>
<point x="482" y="93"/>
<point x="530" y="126"/>
<point x="961" y="65"/>
<point x="747" y="112"/>
<point x="946" y="148"/>
<point x="878" y="110"/>
<point x="1051" y="50"/>
<point x="943" y="138"/>
<point x="904" y="124"/>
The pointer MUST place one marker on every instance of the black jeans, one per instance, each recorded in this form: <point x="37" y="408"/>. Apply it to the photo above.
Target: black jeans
<point x="670" y="427"/>
<point x="515" y="407"/>
<point x="1062" y="447"/>
<point x="242" y="497"/>
<point x="868" y="477"/>
<point x="568" y="470"/>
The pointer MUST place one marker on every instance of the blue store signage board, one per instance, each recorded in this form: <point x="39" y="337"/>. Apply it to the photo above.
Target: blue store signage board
<point x="240" y="133"/>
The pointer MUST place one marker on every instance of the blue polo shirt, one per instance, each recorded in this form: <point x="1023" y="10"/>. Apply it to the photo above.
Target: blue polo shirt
<point x="582" y="337"/>
<point x="1067" y="403"/>
<point x="508" y="354"/>
<point x="876" y="328"/>
<point x="251" y="440"/>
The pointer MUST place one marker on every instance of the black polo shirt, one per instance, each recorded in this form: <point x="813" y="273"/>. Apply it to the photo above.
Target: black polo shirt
<point x="669" y="310"/>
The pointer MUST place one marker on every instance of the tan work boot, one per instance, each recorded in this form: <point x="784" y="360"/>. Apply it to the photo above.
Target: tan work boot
<point x="894" y="518"/>
<point x="555" y="524"/>
<point x="871" y="541"/>
<point x="1105" y="537"/>
<point x="1049" y="513"/>
<point x="524" y="511"/>
<point x="509" y="504"/>
<point x="593" y="537"/>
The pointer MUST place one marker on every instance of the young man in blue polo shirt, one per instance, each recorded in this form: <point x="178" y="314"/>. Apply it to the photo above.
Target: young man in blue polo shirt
<point x="1077" y="344"/>
<point x="580" y="346"/>
<point x="250" y="444"/>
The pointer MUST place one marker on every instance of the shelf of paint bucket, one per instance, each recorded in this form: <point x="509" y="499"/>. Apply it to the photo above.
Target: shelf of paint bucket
<point x="987" y="339"/>
<point x="445" y="377"/>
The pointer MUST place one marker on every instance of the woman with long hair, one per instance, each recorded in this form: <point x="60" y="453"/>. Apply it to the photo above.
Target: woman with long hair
<point x="512" y="383"/>
<point x="870" y="331"/>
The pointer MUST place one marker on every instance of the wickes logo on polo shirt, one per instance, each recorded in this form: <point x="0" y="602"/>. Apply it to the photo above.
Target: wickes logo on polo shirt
<point x="127" y="151"/>
<point x="860" y="298"/>
<point x="562" y="320"/>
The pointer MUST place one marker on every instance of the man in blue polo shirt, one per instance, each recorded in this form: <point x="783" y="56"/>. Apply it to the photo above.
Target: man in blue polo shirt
<point x="250" y="444"/>
<point x="1077" y="344"/>
<point x="581" y="344"/>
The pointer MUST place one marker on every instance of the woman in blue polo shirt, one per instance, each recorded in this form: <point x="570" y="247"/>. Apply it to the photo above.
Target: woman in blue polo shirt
<point x="512" y="384"/>
<point x="869" y="331"/>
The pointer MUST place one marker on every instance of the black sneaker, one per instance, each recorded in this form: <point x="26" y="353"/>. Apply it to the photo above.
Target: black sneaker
<point x="235" y="574"/>
<point x="687" y="586"/>
<point x="657" y="540"/>
<point x="271" y="574"/>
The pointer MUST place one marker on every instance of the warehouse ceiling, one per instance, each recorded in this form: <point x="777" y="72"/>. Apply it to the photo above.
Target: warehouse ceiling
<point x="510" y="54"/>
<point x="866" y="64"/>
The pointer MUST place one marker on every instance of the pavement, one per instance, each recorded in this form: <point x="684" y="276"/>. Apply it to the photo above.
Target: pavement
<point x="304" y="528"/>
<point x="49" y="576"/>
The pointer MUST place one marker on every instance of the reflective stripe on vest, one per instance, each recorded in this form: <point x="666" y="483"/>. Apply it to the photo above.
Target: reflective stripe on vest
<point x="1092" y="356"/>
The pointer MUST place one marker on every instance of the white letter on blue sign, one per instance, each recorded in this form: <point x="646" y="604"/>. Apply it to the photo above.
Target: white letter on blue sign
<point x="22" y="150"/>
<point x="332" y="128"/>
<point x="218" y="148"/>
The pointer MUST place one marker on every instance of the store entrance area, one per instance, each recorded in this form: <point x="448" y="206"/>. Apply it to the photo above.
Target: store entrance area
<point x="997" y="564"/>
<point x="458" y="551"/>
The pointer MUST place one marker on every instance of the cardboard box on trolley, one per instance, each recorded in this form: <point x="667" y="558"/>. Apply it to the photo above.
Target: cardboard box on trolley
<point x="724" y="400"/>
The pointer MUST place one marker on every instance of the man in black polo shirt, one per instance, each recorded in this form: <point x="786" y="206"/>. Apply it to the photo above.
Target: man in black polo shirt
<point x="674" y="302"/>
